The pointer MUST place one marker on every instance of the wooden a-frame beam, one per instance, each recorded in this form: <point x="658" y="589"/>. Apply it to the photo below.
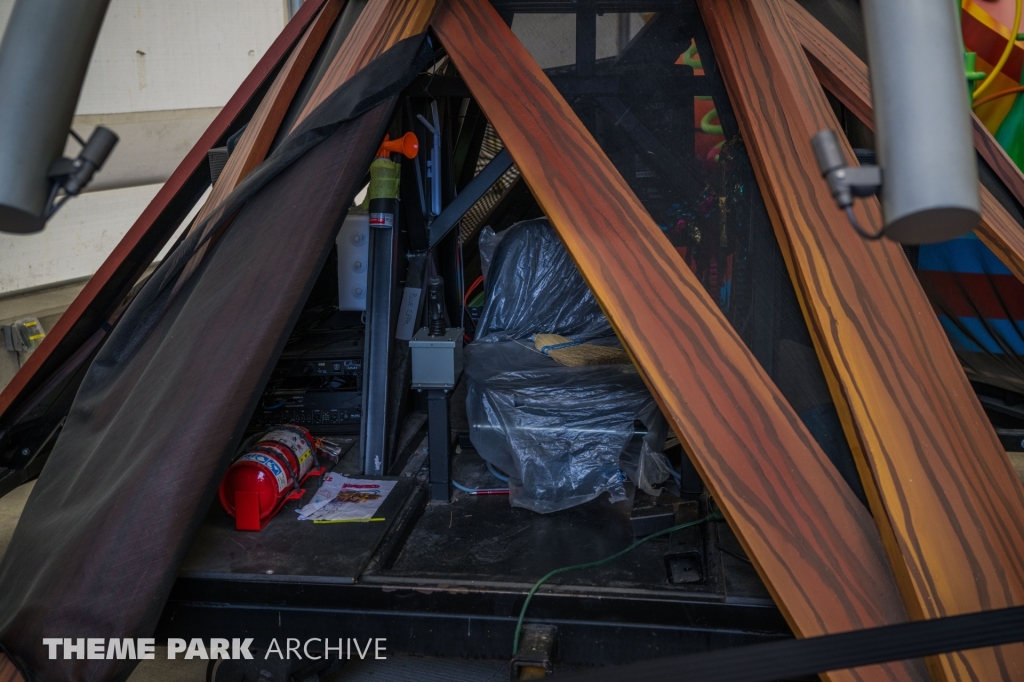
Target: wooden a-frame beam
<point x="254" y="144"/>
<point x="812" y="542"/>
<point x="380" y="25"/>
<point x="948" y="505"/>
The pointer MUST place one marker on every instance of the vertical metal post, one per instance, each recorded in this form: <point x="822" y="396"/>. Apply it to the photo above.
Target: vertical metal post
<point x="922" y="120"/>
<point x="439" y="444"/>
<point x="377" y="346"/>
<point x="586" y="39"/>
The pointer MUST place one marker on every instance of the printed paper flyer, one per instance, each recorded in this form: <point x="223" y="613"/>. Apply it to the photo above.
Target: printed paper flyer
<point x="346" y="499"/>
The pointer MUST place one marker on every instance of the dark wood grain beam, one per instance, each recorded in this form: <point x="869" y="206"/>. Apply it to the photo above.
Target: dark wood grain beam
<point x="8" y="673"/>
<point x="380" y="25"/>
<point x="948" y="505"/>
<point x="812" y="542"/>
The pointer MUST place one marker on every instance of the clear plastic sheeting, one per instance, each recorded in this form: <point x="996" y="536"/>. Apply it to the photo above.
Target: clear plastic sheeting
<point x="559" y="432"/>
<point x="488" y="244"/>
<point x="535" y="287"/>
<point x="644" y="463"/>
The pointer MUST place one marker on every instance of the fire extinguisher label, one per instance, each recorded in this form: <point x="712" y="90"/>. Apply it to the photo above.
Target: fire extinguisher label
<point x="294" y="442"/>
<point x="382" y="219"/>
<point x="271" y="464"/>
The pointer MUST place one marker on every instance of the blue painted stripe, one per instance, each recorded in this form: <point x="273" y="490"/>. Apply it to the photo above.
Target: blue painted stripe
<point x="972" y="335"/>
<point x="965" y="254"/>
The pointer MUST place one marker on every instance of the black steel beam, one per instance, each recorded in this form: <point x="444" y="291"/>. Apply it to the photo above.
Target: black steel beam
<point x="374" y="437"/>
<point x="453" y="213"/>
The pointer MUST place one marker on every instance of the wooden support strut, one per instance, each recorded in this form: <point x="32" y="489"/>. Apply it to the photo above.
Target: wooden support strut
<point x="947" y="503"/>
<point x="255" y="142"/>
<point x="843" y="74"/>
<point x="811" y="541"/>
<point x="380" y="25"/>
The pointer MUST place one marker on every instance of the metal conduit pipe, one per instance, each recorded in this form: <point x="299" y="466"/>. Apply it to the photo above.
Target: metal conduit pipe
<point x="922" y="120"/>
<point x="43" y="59"/>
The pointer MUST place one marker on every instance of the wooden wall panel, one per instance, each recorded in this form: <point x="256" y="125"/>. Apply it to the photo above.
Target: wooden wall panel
<point x="846" y="76"/>
<point x="812" y="542"/>
<point x="380" y="25"/>
<point x="1001" y="233"/>
<point x="947" y="503"/>
<point x="132" y="246"/>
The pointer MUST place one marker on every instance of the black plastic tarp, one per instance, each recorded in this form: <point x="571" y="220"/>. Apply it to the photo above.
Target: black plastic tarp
<point x="165" y="402"/>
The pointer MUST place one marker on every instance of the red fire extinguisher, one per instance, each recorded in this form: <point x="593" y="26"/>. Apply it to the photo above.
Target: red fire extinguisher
<point x="267" y="475"/>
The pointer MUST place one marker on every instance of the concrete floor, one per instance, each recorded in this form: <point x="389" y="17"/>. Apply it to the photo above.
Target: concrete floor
<point x="162" y="670"/>
<point x="46" y="305"/>
<point x="11" y="505"/>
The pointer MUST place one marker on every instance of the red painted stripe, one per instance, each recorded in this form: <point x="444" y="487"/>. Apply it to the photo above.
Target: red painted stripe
<point x="997" y="297"/>
<point x="277" y="52"/>
<point x="990" y="45"/>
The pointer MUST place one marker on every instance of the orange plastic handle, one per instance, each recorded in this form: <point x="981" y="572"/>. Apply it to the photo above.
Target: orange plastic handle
<point x="407" y="145"/>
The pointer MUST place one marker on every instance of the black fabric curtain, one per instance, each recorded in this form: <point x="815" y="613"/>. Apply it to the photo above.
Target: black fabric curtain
<point x="165" y="402"/>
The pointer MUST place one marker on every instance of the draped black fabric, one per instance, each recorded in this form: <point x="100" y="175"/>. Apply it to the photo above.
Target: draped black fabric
<point x="165" y="402"/>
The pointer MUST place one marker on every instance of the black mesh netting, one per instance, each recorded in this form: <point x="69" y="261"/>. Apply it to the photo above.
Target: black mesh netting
<point x="659" y="109"/>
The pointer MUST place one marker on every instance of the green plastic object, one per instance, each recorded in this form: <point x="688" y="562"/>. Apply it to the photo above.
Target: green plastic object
<point x="970" y="60"/>
<point x="707" y="126"/>
<point x="1009" y="136"/>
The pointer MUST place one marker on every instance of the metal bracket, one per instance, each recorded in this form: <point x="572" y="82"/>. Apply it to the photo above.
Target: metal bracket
<point x="434" y="161"/>
<point x="536" y="655"/>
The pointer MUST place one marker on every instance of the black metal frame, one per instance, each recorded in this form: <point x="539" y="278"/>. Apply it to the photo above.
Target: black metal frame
<point x="475" y="189"/>
<point x="446" y="619"/>
<point x="445" y="616"/>
<point x="379" y="339"/>
<point x="439" y="444"/>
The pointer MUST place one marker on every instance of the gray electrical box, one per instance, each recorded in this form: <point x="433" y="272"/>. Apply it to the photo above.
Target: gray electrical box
<point x="436" y="360"/>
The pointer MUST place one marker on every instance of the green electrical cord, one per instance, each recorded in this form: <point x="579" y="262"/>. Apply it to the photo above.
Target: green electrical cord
<point x="714" y="516"/>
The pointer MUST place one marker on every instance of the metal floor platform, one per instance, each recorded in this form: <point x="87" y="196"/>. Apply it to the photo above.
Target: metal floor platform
<point x="449" y="580"/>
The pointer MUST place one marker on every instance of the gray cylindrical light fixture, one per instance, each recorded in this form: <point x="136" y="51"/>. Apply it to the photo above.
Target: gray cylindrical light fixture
<point x="922" y="120"/>
<point x="43" y="59"/>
